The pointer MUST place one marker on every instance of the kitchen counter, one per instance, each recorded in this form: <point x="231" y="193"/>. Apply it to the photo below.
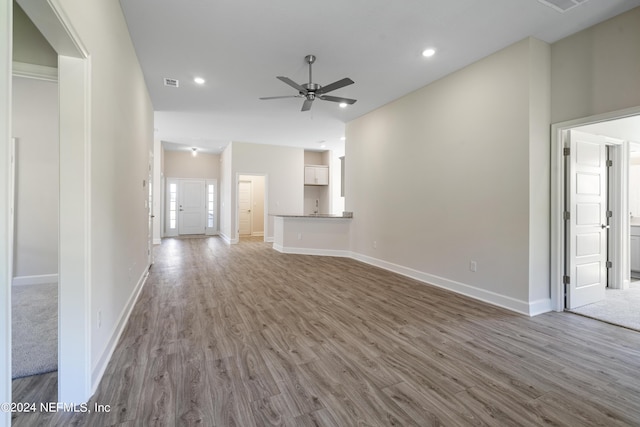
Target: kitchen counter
<point x="316" y="216"/>
<point x="319" y="234"/>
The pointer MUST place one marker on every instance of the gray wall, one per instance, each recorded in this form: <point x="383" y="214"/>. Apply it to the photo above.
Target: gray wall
<point x="29" y="45"/>
<point x="440" y="177"/>
<point x="597" y="70"/>
<point x="35" y="125"/>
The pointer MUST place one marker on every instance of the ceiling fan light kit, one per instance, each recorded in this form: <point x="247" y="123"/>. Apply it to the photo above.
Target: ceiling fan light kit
<point x="312" y="91"/>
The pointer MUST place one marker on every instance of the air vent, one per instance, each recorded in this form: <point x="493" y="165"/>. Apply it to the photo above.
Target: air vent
<point x="562" y="5"/>
<point x="171" y="82"/>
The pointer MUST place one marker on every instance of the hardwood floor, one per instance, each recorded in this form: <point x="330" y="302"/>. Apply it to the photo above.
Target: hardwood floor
<point x="246" y="336"/>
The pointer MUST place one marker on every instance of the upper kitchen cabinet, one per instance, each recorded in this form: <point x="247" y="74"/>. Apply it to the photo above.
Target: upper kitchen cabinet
<point x="316" y="175"/>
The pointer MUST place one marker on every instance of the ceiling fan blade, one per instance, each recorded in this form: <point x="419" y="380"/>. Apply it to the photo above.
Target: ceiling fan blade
<point x="293" y="84"/>
<point x="306" y="106"/>
<point x="280" y="97"/>
<point x="337" y="99"/>
<point x="335" y="85"/>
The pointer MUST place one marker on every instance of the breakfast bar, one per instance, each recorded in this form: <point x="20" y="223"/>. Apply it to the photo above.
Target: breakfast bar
<point x="316" y="234"/>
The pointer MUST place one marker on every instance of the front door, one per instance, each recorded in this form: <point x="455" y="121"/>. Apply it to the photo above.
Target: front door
<point x="191" y="215"/>
<point x="587" y="224"/>
<point x="244" y="208"/>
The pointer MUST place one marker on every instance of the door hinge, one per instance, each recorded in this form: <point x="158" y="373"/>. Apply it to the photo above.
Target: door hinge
<point x="609" y="264"/>
<point x="609" y="214"/>
<point x="566" y="151"/>
<point x="566" y="215"/>
<point x="565" y="280"/>
<point x="609" y="163"/>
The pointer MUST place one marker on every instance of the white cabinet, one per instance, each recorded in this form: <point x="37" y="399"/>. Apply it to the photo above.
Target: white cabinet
<point x="316" y="175"/>
<point x="635" y="248"/>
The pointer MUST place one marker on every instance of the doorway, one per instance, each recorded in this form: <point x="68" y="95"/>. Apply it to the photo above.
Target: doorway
<point x="190" y="206"/>
<point x="589" y="258"/>
<point x="250" y="210"/>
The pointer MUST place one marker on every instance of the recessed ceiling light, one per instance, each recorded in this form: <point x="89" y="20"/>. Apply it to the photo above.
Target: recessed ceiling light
<point x="194" y="151"/>
<point x="199" y="80"/>
<point x="343" y="105"/>
<point x="428" y="53"/>
<point x="323" y="146"/>
<point x="344" y="138"/>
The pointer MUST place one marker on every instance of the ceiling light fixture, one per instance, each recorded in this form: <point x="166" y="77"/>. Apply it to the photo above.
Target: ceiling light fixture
<point x="343" y="105"/>
<point x="344" y="138"/>
<point x="428" y="53"/>
<point x="194" y="151"/>
<point x="199" y="80"/>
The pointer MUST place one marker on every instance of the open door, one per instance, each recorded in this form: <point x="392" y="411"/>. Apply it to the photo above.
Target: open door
<point x="587" y="219"/>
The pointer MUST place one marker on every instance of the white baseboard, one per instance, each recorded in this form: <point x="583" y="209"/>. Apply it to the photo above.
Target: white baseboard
<point x="269" y="239"/>
<point x="257" y="234"/>
<point x="157" y="241"/>
<point x="308" y="251"/>
<point x="493" y="298"/>
<point x="540" y="306"/>
<point x="226" y="238"/>
<point x="101" y="366"/>
<point x="34" y="280"/>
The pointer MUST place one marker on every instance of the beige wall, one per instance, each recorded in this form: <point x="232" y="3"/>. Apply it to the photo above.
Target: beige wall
<point x="35" y="125"/>
<point x="284" y="169"/>
<point x="182" y="164"/>
<point x="443" y="176"/>
<point x="597" y="70"/>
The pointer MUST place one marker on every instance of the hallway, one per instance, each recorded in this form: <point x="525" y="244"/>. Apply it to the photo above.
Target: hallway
<point x="244" y="335"/>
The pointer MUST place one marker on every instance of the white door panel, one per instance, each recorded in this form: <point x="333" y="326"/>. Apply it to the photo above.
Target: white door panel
<point x="191" y="217"/>
<point x="586" y="228"/>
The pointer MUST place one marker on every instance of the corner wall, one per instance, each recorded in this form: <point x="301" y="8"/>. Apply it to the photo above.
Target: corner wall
<point x="597" y="70"/>
<point x="284" y="168"/>
<point x="441" y="178"/>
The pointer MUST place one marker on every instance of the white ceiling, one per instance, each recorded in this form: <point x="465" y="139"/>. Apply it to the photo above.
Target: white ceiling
<point x="240" y="46"/>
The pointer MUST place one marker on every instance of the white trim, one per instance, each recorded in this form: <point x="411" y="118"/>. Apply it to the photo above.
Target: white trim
<point x="103" y="362"/>
<point x="269" y="239"/>
<point x="6" y="247"/>
<point x="33" y="71"/>
<point x="558" y="196"/>
<point x="157" y="241"/>
<point x="228" y="240"/>
<point x="34" y="280"/>
<point x="257" y="234"/>
<point x="493" y="298"/>
<point x="540" y="306"/>
<point x="311" y="251"/>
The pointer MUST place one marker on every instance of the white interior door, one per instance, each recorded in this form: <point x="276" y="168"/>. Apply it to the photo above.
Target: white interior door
<point x="587" y="224"/>
<point x="244" y="208"/>
<point x="191" y="208"/>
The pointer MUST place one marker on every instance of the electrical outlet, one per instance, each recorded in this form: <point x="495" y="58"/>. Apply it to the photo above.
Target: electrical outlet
<point x="473" y="266"/>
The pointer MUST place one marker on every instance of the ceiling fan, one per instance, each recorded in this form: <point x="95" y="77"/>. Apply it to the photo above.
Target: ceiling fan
<point x="310" y="91"/>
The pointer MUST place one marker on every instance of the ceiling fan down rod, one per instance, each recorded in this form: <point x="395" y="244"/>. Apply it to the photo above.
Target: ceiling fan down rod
<point x="310" y="60"/>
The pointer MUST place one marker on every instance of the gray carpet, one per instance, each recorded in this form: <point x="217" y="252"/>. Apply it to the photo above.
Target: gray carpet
<point x="619" y="307"/>
<point x="35" y="329"/>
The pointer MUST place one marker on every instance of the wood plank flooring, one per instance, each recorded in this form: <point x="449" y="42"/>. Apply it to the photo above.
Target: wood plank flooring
<point x="246" y="336"/>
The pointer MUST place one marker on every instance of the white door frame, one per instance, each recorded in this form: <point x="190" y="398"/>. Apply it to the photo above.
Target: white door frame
<point x="236" y="207"/>
<point x="6" y="249"/>
<point x="74" y="270"/>
<point x="619" y="243"/>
